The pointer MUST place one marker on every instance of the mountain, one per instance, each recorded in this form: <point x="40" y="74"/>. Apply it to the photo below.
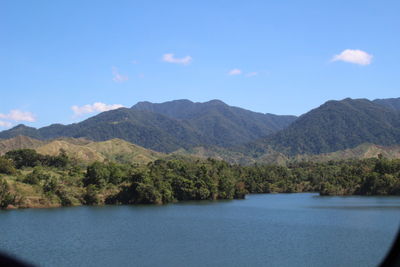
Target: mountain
<point x="216" y="129"/>
<point x="20" y="130"/>
<point x="337" y="125"/>
<point x="167" y="127"/>
<point x="221" y="124"/>
<point x="392" y="103"/>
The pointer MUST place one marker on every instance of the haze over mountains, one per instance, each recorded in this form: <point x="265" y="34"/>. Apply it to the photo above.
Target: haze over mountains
<point x="220" y="128"/>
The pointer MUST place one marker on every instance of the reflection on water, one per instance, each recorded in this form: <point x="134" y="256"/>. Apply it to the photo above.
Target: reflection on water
<point x="263" y="230"/>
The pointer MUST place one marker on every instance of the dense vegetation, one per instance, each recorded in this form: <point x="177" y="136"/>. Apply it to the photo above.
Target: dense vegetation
<point x="187" y="124"/>
<point x="29" y="179"/>
<point x="337" y="125"/>
<point x="184" y="125"/>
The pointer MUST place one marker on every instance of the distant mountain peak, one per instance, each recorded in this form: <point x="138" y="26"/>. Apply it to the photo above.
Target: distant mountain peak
<point x="141" y="104"/>
<point x="215" y="102"/>
<point x="21" y="126"/>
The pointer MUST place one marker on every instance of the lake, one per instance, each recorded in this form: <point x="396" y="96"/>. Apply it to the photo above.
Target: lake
<point x="262" y="230"/>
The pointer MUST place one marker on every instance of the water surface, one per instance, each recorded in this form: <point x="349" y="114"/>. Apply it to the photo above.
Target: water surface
<point x="263" y="230"/>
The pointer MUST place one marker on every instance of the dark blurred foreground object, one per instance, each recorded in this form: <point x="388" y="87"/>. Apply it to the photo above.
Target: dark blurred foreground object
<point x="6" y="260"/>
<point x="393" y="257"/>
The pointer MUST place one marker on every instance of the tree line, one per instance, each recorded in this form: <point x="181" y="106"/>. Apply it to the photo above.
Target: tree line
<point x="63" y="180"/>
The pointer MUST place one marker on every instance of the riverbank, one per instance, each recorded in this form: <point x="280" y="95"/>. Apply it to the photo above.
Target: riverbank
<point x="31" y="180"/>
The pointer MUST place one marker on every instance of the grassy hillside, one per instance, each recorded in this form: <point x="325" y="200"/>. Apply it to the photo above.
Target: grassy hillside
<point x="19" y="142"/>
<point x="80" y="152"/>
<point x="363" y="151"/>
<point x="124" y="152"/>
<point x="85" y="150"/>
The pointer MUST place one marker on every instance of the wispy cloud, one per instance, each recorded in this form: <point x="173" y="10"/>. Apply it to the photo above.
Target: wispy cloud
<point x="95" y="107"/>
<point x="171" y="59"/>
<point x="118" y="77"/>
<point x="18" y="115"/>
<point x="235" y="72"/>
<point x="354" y="56"/>
<point x="251" y="74"/>
<point x="14" y="116"/>
<point x="6" y="124"/>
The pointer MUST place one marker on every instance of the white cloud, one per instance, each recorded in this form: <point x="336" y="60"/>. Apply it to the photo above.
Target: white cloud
<point x="235" y="72"/>
<point x="171" y="59"/>
<point x="18" y="115"/>
<point x="5" y="124"/>
<point x="251" y="74"/>
<point x="95" y="107"/>
<point x="354" y="56"/>
<point x="118" y="77"/>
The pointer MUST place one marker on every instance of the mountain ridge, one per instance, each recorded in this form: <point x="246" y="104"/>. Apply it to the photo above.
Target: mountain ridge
<point x="336" y="125"/>
<point x="209" y="123"/>
<point x="182" y="124"/>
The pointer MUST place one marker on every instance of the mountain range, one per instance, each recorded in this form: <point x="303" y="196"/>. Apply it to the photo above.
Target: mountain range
<point x="337" y="125"/>
<point x="215" y="128"/>
<point x="168" y="126"/>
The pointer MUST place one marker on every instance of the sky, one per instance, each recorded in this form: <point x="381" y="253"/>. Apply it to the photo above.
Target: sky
<point x="64" y="61"/>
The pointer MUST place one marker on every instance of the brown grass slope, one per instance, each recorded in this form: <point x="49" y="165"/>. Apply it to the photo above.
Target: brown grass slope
<point x="85" y="150"/>
<point x="78" y="152"/>
<point x="19" y="142"/>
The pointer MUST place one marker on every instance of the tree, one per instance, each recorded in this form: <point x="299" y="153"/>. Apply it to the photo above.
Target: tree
<point x="36" y="176"/>
<point x="96" y="174"/>
<point x="7" y="166"/>
<point x="6" y="197"/>
<point x="24" y="158"/>
<point x="90" y="197"/>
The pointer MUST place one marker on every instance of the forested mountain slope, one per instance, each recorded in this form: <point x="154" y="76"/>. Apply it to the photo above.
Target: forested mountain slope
<point x="336" y="125"/>
<point x="167" y="127"/>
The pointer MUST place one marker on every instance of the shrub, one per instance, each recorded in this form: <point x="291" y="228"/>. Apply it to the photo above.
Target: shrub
<point x="90" y="197"/>
<point x="36" y="176"/>
<point x="7" y="166"/>
<point x="6" y="197"/>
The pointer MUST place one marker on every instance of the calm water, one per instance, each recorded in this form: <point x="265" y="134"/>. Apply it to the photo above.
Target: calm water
<point x="263" y="230"/>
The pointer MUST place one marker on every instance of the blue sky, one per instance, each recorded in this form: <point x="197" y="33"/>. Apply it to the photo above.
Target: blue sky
<point x="58" y="58"/>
